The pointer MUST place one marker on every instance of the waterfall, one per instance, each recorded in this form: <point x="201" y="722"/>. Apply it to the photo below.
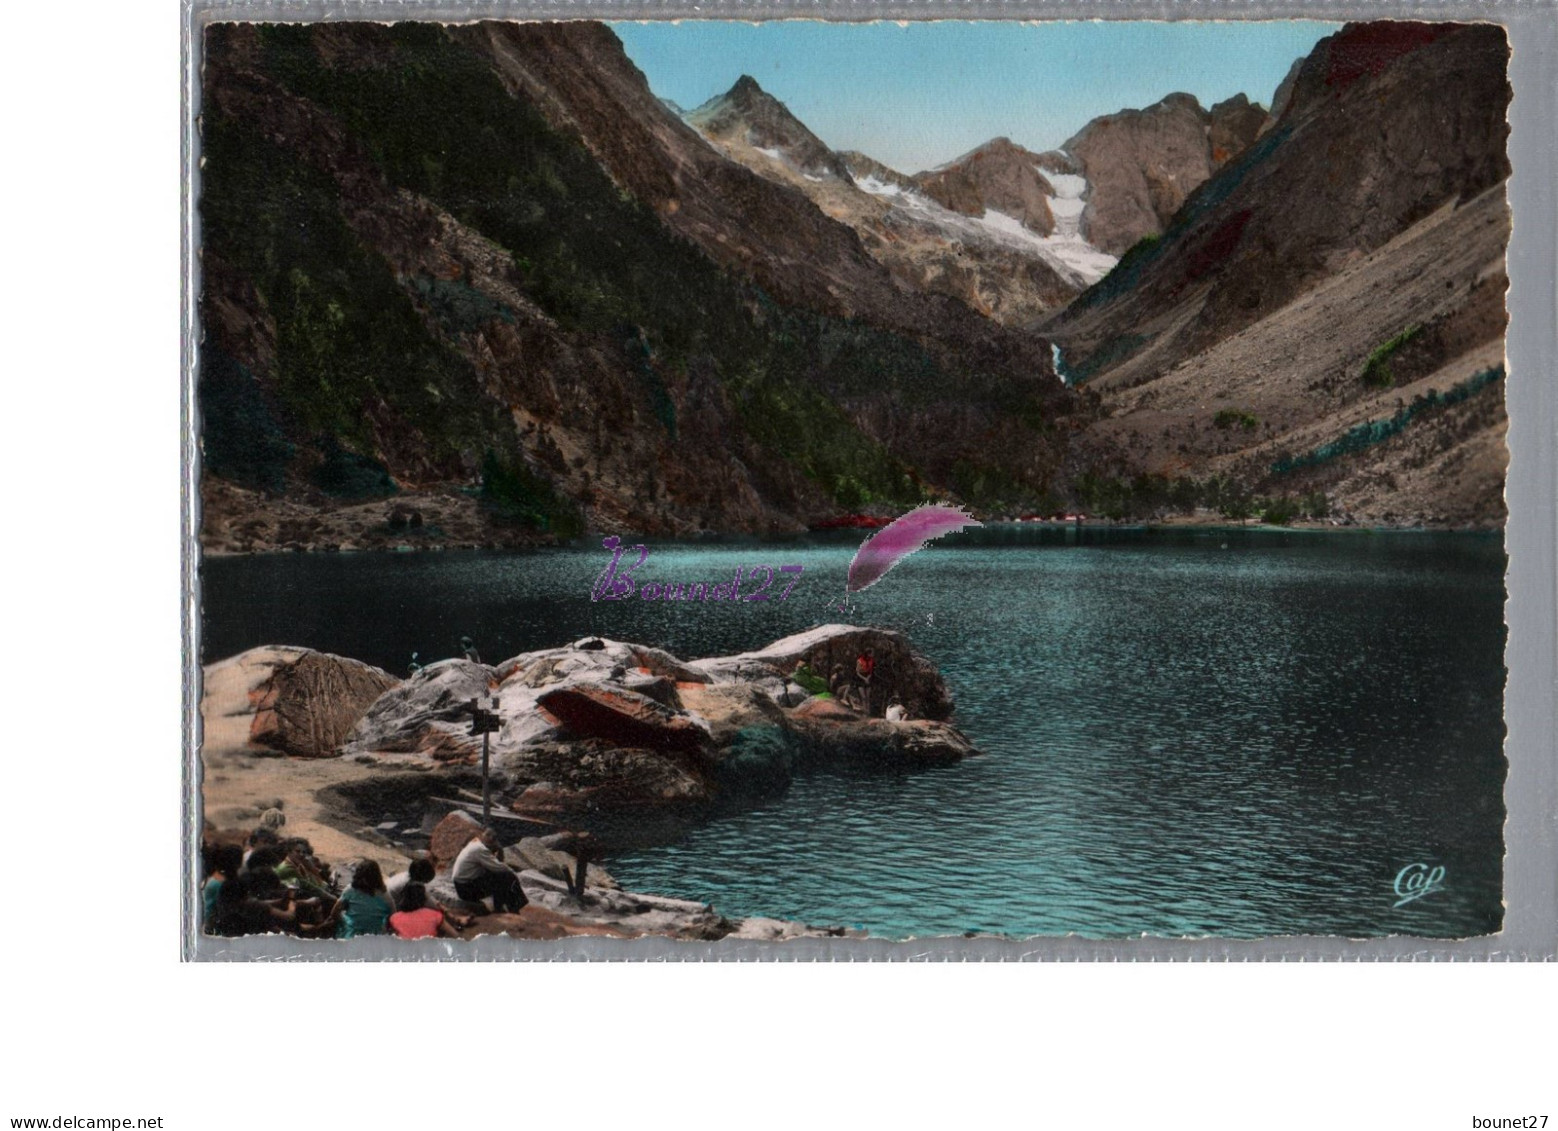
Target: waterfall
<point x="1060" y="365"/>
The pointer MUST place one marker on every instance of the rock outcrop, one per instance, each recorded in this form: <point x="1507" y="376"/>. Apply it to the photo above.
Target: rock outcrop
<point x="623" y="740"/>
<point x="544" y="854"/>
<point x="830" y="651"/>
<point x="999" y="176"/>
<point x="449" y="836"/>
<point x="947" y="379"/>
<point x="602" y="744"/>
<point x="292" y="701"/>
<point x="977" y="230"/>
<point x="1141" y="164"/>
<point x="1235" y="124"/>
<point x="1025" y="229"/>
<point x="601" y="731"/>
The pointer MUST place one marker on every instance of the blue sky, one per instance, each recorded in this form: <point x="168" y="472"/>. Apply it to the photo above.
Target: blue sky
<point x="919" y="94"/>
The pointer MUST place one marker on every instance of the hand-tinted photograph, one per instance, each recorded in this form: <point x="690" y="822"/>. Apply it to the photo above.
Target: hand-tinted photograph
<point x="765" y="481"/>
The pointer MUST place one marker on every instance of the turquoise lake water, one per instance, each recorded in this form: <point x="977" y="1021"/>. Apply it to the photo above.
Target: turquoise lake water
<point x="1203" y="732"/>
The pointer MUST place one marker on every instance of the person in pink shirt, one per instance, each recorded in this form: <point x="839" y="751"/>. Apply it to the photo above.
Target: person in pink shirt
<point x="416" y="920"/>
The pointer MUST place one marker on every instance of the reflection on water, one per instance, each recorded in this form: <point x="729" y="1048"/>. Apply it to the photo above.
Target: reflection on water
<point x="1232" y="733"/>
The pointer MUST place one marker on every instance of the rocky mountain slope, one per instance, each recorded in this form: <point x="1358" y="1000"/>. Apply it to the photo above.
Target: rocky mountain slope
<point x="749" y="117"/>
<point x="998" y="176"/>
<point x="1003" y="257"/>
<point x="476" y="284"/>
<point x="1324" y="317"/>
<point x="1142" y="164"/>
<point x="482" y="273"/>
<point x="1013" y="234"/>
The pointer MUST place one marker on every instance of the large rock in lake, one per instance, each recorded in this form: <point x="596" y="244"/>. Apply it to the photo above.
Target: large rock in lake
<point x="617" y="738"/>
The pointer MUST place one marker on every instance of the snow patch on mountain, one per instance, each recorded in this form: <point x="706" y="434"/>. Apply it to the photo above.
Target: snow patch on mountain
<point x="879" y="188"/>
<point x="1077" y="261"/>
<point x="1068" y="203"/>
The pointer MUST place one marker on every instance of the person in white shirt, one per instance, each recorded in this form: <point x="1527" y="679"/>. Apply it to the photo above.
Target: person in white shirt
<point x="479" y="872"/>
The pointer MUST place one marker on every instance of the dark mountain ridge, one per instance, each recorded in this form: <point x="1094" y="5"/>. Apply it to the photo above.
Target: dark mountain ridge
<point x="477" y="284"/>
<point x="542" y="287"/>
<point x="1339" y="281"/>
<point x="1347" y="167"/>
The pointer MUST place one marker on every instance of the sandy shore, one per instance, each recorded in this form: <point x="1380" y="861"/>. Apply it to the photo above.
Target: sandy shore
<point x="236" y="786"/>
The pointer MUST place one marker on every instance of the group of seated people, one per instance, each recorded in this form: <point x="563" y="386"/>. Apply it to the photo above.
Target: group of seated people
<point x="277" y="886"/>
<point x="857" y="694"/>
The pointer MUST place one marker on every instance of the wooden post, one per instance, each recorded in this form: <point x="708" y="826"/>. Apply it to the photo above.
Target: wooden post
<point x="581" y="865"/>
<point x="486" y="784"/>
<point x="484" y="723"/>
<point x="486" y="781"/>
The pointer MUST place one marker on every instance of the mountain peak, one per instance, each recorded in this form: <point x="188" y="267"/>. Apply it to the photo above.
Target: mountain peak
<point x="1141" y="165"/>
<point x="746" y="99"/>
<point x="748" y="115"/>
<point x="995" y="147"/>
<point x="999" y="175"/>
<point x="1182" y="101"/>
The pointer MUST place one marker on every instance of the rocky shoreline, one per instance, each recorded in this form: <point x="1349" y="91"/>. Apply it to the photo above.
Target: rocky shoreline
<point x="597" y="745"/>
<point x="238" y="522"/>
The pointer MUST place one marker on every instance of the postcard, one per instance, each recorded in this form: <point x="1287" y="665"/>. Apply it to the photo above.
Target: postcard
<point x="744" y="484"/>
